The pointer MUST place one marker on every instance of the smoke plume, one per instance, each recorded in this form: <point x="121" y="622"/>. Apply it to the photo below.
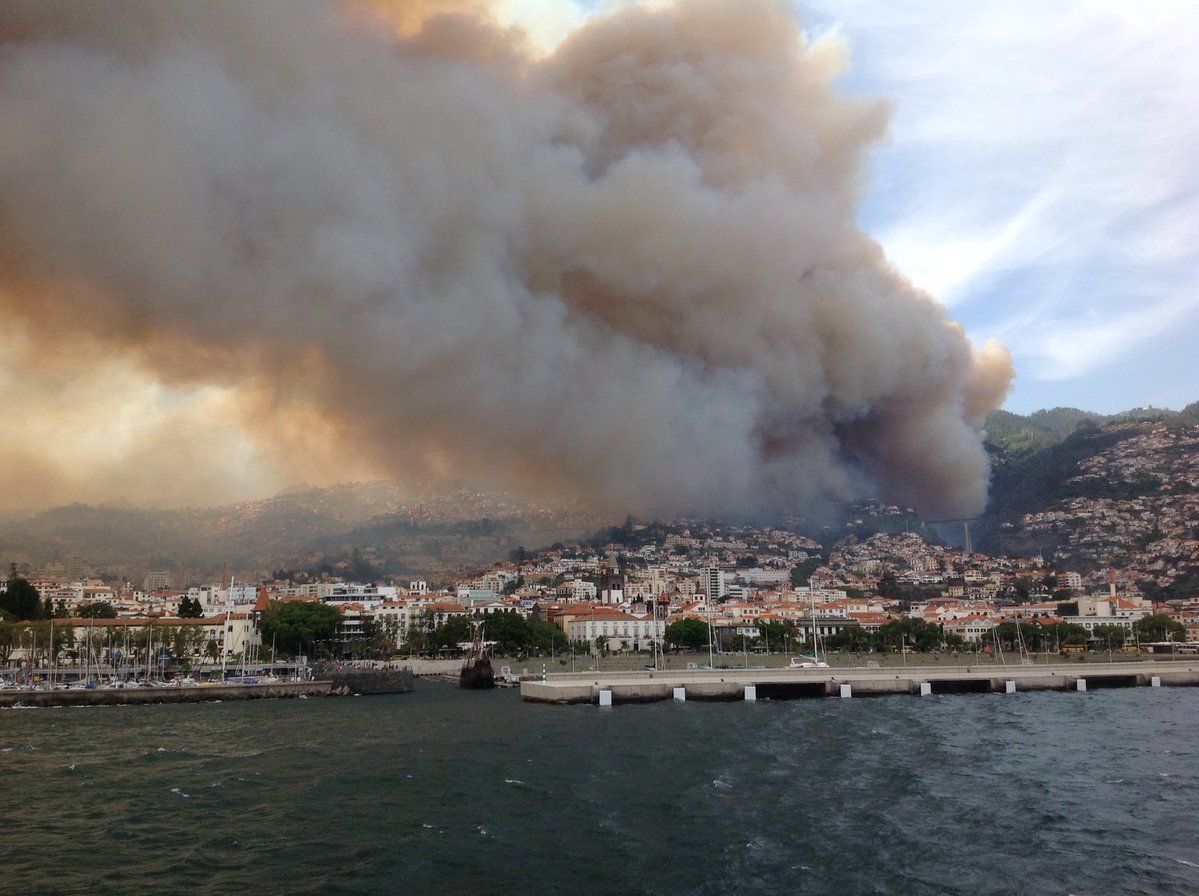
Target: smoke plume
<point x="394" y="238"/>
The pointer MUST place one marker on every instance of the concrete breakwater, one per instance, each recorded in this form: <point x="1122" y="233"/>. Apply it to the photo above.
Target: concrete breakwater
<point x="344" y="682"/>
<point x="784" y="684"/>
<point x="143" y="695"/>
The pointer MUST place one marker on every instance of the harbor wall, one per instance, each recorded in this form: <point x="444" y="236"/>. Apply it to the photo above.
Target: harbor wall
<point x="142" y="696"/>
<point x="368" y="681"/>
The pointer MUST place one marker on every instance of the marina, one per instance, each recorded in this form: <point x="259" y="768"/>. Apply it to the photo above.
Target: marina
<point x="649" y="686"/>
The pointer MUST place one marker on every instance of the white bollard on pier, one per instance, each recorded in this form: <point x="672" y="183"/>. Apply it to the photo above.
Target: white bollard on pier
<point x="1081" y="684"/>
<point x="680" y="694"/>
<point x="846" y="691"/>
<point x="1009" y="687"/>
<point x="751" y="692"/>
<point x="605" y="698"/>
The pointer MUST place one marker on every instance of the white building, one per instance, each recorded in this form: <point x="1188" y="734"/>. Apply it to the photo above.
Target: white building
<point x="582" y="590"/>
<point x="713" y="582"/>
<point x="619" y="630"/>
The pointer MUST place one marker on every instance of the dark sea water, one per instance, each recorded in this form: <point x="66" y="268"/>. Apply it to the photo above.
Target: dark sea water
<point x="449" y="792"/>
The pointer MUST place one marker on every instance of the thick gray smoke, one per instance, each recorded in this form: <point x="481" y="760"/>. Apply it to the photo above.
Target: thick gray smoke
<point x="628" y="270"/>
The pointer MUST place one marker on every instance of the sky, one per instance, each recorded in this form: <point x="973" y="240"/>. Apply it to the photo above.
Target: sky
<point x="245" y="246"/>
<point x="1040" y="181"/>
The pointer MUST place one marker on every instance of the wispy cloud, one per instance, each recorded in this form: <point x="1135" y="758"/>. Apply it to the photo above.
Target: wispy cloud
<point x="1044" y="148"/>
<point x="1062" y="349"/>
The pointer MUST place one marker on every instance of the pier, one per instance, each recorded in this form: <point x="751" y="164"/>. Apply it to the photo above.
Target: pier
<point x="847" y="682"/>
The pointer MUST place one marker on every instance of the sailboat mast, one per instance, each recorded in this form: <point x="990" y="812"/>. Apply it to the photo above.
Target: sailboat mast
<point x="225" y="626"/>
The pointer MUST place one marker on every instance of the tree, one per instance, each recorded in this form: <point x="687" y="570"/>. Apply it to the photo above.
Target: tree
<point x="853" y="638"/>
<point x="509" y="631"/>
<point x="448" y="635"/>
<point x="21" y="600"/>
<point x="742" y="643"/>
<point x="888" y="585"/>
<point x="1042" y="635"/>
<point x="8" y="640"/>
<point x="1113" y="636"/>
<point x="801" y="573"/>
<point x="359" y="569"/>
<point x="912" y="632"/>
<point x="416" y="635"/>
<point x="546" y="637"/>
<point x="690" y="633"/>
<point x="1077" y="636"/>
<point x="295" y="627"/>
<point x="190" y="608"/>
<point x="100" y="609"/>
<point x="41" y="632"/>
<point x="1160" y="628"/>
<point x="954" y="641"/>
<point x="186" y="642"/>
<point x="773" y="635"/>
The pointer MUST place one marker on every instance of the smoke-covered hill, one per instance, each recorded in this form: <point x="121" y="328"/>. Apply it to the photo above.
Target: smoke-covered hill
<point x="1070" y="467"/>
<point x="375" y="529"/>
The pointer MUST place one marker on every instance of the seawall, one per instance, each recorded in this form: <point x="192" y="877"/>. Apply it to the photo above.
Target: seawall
<point x="330" y="684"/>
<point x="141" y="696"/>
<point x="783" y="684"/>
<point x="368" y="681"/>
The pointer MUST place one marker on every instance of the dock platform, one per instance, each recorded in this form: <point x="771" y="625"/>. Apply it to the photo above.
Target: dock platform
<point x="851" y="681"/>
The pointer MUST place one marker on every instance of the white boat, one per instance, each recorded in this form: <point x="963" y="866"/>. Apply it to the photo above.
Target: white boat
<point x="806" y="662"/>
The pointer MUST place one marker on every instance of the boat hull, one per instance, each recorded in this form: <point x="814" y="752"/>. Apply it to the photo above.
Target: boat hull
<point x="477" y="675"/>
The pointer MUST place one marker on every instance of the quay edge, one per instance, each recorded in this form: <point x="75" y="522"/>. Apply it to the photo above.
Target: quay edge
<point x="782" y="684"/>
<point x="134" y="696"/>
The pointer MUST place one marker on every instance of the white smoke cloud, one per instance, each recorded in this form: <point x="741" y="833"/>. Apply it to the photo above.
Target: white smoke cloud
<point x="627" y="270"/>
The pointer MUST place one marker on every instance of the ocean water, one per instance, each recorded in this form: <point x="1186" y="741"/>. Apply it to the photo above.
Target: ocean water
<point x="443" y="791"/>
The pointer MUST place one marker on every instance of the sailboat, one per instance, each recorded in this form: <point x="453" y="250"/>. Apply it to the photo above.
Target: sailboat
<point x="476" y="672"/>
<point x="814" y="661"/>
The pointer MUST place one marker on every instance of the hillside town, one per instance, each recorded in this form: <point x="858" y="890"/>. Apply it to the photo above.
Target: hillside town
<point x="746" y="586"/>
<point x="1136" y="507"/>
<point x="1114" y="542"/>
